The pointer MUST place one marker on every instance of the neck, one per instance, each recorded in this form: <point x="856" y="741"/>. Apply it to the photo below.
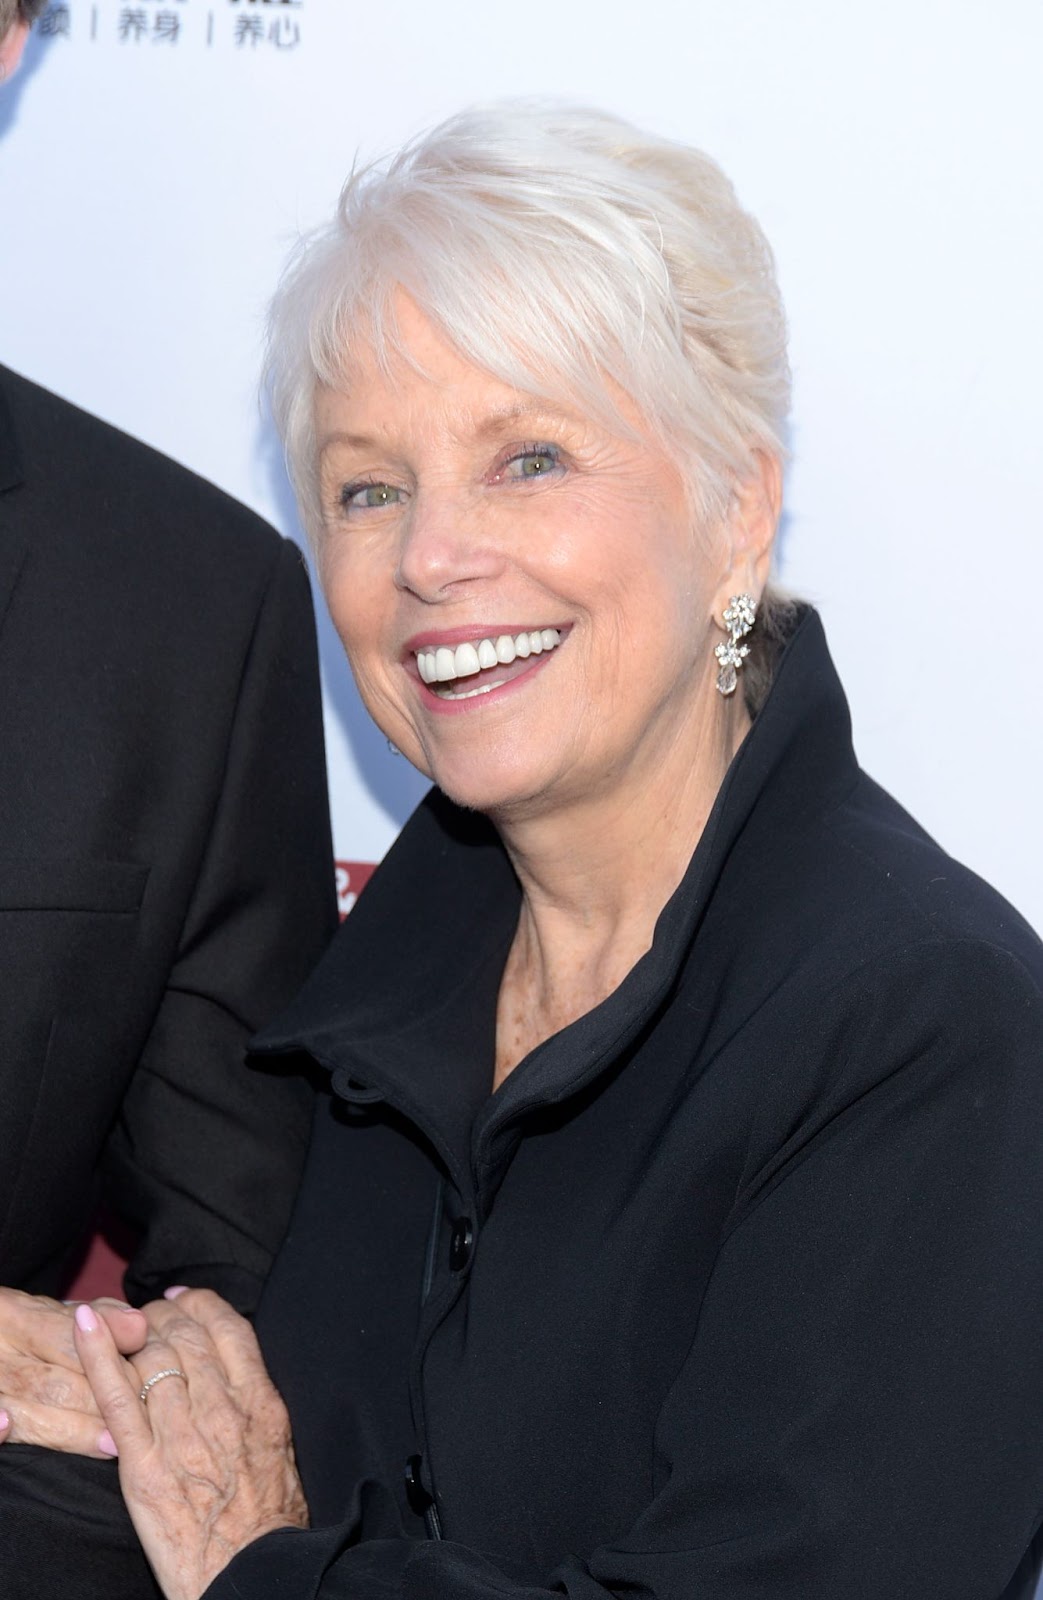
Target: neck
<point x="594" y="877"/>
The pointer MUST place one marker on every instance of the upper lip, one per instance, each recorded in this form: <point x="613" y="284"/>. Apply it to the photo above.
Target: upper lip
<point x="449" y="638"/>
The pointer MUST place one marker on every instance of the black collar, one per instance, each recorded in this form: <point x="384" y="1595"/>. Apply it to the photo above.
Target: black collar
<point x="402" y="1005"/>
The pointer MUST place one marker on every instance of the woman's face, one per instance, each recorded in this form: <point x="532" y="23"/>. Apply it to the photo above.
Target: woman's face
<point x="524" y="600"/>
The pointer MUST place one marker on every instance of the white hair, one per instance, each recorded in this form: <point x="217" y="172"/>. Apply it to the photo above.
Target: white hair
<point x="565" y="252"/>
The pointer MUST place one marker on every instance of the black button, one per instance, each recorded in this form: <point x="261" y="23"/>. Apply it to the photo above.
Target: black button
<point x="416" y="1494"/>
<point x="353" y="1092"/>
<point x="460" y="1244"/>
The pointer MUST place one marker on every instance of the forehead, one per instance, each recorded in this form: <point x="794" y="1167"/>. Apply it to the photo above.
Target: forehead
<point x="405" y="370"/>
<point x="405" y="363"/>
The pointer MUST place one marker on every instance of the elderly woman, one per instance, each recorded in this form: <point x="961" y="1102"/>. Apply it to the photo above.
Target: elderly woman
<point x="672" y="1226"/>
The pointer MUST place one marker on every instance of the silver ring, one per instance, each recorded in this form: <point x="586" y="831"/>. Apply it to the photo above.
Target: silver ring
<point x="157" y="1377"/>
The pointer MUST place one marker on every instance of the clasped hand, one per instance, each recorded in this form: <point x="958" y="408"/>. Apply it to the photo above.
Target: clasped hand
<point x="44" y="1394"/>
<point x="206" y="1466"/>
<point x="206" y="1463"/>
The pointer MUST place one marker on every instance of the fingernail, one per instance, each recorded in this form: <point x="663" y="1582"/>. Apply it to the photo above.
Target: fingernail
<point x="174" y="1290"/>
<point x="5" y="1421"/>
<point x="107" y="1444"/>
<point x="86" y="1319"/>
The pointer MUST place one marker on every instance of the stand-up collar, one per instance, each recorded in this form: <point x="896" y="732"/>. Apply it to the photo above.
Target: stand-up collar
<point x="402" y="1006"/>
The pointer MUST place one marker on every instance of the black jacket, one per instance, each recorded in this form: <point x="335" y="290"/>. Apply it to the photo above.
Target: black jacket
<point x="735" y="1287"/>
<point x="165" y="885"/>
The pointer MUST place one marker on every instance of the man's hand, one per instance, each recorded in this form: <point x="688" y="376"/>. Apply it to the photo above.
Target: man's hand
<point x="44" y="1397"/>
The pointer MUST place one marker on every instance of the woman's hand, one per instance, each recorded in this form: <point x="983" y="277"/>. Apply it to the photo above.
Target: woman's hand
<point x="44" y="1397"/>
<point x="206" y="1462"/>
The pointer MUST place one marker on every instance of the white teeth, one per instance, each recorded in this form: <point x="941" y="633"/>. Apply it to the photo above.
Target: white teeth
<point x="443" y="665"/>
<point x="467" y="662"/>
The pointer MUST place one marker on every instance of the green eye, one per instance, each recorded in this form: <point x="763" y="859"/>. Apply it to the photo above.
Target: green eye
<point x="369" y="496"/>
<point x="538" y="462"/>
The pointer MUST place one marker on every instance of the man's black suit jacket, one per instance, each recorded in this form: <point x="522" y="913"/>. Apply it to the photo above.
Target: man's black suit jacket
<point x="165" y="885"/>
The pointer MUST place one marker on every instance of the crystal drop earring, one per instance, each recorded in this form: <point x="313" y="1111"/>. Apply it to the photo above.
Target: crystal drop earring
<point x="739" y="617"/>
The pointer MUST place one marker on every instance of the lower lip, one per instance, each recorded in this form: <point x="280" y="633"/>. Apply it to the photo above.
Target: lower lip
<point x="478" y="702"/>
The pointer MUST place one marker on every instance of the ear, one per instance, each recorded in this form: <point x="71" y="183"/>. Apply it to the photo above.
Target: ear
<point x="750" y="528"/>
<point x="11" y="46"/>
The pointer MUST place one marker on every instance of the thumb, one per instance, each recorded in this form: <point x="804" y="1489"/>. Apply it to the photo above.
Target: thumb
<point x="129" y="1328"/>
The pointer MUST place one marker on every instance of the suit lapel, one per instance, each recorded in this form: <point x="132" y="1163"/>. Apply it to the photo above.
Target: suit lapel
<point x="13" y="540"/>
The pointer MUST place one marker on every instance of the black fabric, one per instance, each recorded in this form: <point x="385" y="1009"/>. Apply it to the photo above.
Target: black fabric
<point x="165" y="885"/>
<point x="753" y="1305"/>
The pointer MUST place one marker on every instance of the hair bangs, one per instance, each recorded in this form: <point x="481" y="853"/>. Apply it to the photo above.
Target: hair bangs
<point x="575" y="259"/>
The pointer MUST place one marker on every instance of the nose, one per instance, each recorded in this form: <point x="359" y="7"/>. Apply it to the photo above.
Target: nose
<point x="444" y="546"/>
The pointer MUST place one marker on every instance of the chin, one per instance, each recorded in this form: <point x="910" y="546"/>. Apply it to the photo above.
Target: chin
<point x="491" y="789"/>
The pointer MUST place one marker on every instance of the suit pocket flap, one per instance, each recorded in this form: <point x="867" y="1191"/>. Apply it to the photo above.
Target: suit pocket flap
<point x="71" y="885"/>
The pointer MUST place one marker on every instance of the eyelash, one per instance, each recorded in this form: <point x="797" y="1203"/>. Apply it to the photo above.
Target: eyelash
<point x="551" y="452"/>
<point x="350" y="490"/>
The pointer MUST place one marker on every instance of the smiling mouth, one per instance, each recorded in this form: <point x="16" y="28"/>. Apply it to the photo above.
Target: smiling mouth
<point x="479" y="666"/>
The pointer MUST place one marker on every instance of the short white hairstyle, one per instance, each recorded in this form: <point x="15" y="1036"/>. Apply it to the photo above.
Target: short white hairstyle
<point x="565" y="252"/>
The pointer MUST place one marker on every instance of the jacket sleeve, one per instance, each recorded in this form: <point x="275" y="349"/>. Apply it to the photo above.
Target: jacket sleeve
<point x="859" y="1414"/>
<point x="206" y="1154"/>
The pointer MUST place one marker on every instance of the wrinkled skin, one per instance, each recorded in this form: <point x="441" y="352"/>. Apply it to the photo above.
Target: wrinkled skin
<point x="44" y="1395"/>
<point x="206" y="1466"/>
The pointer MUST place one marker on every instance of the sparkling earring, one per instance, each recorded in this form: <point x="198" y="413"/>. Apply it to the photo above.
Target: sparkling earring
<point x="739" y="618"/>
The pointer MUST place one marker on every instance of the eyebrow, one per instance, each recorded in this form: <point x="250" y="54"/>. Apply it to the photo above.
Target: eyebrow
<point x="491" y="426"/>
<point x="355" y="441"/>
<point x="500" y="420"/>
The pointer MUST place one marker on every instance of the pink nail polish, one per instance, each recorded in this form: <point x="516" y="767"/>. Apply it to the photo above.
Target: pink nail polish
<point x="107" y="1444"/>
<point x="174" y="1290"/>
<point x="85" y="1318"/>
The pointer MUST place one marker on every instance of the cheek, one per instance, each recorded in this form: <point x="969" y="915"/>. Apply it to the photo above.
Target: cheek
<point x="366" y="658"/>
<point x="653" y="579"/>
<point x="346" y="619"/>
<point x="359" y="602"/>
<point x="363" y="617"/>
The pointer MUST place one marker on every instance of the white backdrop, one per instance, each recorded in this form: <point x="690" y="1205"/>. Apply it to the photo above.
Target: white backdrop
<point x="156" y="160"/>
